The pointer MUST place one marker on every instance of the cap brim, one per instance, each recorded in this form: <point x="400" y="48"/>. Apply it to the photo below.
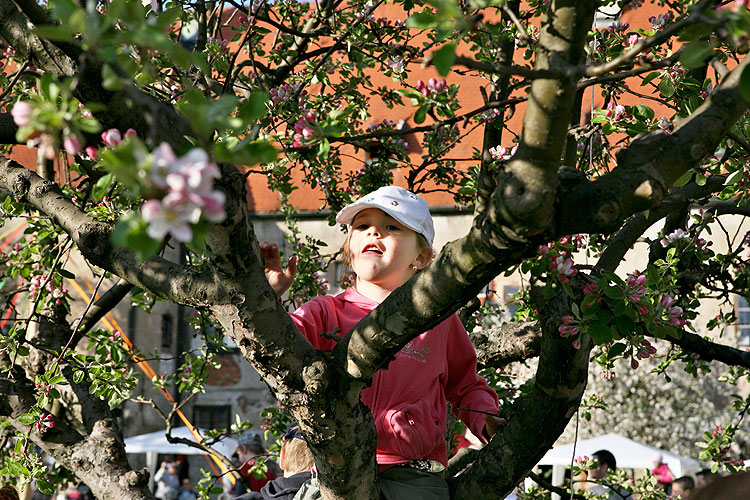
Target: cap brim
<point x="347" y="214"/>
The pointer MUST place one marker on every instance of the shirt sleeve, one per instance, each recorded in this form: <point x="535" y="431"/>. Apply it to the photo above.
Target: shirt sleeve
<point x="313" y="318"/>
<point x="464" y="387"/>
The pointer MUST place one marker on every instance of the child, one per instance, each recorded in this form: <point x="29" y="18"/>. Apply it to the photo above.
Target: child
<point x="390" y="239"/>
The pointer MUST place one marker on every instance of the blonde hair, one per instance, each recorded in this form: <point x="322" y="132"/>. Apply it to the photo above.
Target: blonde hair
<point x="297" y="456"/>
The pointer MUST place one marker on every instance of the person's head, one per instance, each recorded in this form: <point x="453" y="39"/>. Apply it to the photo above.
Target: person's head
<point x="731" y="487"/>
<point x="295" y="456"/>
<point x="186" y="484"/>
<point x="606" y="461"/>
<point x="704" y="477"/>
<point x="172" y="468"/>
<point x="249" y="444"/>
<point x="682" y="487"/>
<point x="8" y="493"/>
<point x="390" y="236"/>
<point x="657" y="459"/>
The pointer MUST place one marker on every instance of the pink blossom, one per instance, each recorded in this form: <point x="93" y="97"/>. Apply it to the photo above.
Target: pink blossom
<point x="310" y="117"/>
<point x="543" y="249"/>
<point x="72" y="144"/>
<point x="633" y="39"/>
<point x="308" y="132"/>
<point x="563" y="330"/>
<point x="667" y="301"/>
<point x="169" y="216"/>
<point x="21" y="113"/>
<point x="576" y="344"/>
<point x="112" y="137"/>
<point x="634" y="364"/>
<point x="131" y="133"/>
<point x="678" y="322"/>
<point x="91" y="152"/>
<point x="567" y="319"/>
<point x="642" y="309"/>
<point x="565" y="266"/>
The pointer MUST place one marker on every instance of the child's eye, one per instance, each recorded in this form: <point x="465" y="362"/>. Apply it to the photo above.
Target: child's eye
<point x="393" y="227"/>
<point x="361" y="227"/>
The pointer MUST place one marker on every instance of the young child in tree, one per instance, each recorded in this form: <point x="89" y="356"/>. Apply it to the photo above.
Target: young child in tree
<point x="390" y="239"/>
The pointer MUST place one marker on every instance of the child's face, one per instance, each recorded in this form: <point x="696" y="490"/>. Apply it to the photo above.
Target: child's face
<point x="383" y="251"/>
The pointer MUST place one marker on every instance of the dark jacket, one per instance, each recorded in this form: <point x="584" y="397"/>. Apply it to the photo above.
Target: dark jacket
<point x="282" y="488"/>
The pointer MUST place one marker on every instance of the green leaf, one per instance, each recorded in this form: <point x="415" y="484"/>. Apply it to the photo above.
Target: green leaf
<point x="649" y="77"/>
<point x="616" y="350"/>
<point x="666" y="87"/>
<point x="110" y="80"/>
<point x="644" y="111"/>
<point x="420" y="114"/>
<point x="734" y="177"/>
<point x="43" y="486"/>
<point x="253" y="108"/>
<point x="324" y="148"/>
<point x="27" y="419"/>
<point x="422" y="20"/>
<point x="444" y="57"/>
<point x="600" y="333"/>
<point x="696" y="54"/>
<point x="684" y="179"/>
<point x="130" y="231"/>
<point x="102" y="186"/>
<point x="60" y="33"/>
<point x="66" y="274"/>
<point x="409" y="93"/>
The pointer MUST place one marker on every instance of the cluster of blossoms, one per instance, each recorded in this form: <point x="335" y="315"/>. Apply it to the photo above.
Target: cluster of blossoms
<point x="570" y="328"/>
<point x="664" y="125"/>
<point x="321" y="282"/>
<point x="58" y="292"/>
<point x="635" y="289"/>
<point x="500" y="153"/>
<point x="681" y="235"/>
<point x="672" y="312"/>
<point x="220" y="43"/>
<point x="303" y="129"/>
<point x="111" y="138"/>
<point x="633" y="39"/>
<point x="564" y="266"/>
<point x="397" y="64"/>
<point x="489" y="115"/>
<point x="284" y="93"/>
<point x="658" y="22"/>
<point x="616" y="112"/>
<point x="188" y="181"/>
<point x="22" y="114"/>
<point x="532" y="36"/>
<point x="42" y="388"/>
<point x="45" y="422"/>
<point x="395" y="142"/>
<point x="643" y="350"/>
<point x="590" y="289"/>
<point x="615" y="27"/>
<point x="431" y="87"/>
<point x="676" y="72"/>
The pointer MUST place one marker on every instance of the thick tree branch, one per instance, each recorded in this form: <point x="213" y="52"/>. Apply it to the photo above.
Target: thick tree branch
<point x="498" y="347"/>
<point x="651" y="164"/>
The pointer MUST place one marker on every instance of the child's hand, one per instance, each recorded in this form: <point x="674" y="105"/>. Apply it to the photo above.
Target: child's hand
<point x="492" y="424"/>
<point x="279" y="279"/>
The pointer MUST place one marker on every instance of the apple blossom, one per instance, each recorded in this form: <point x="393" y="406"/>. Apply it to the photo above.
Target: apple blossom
<point x="131" y="133"/>
<point x="21" y="113"/>
<point x="112" y="137"/>
<point x="72" y="144"/>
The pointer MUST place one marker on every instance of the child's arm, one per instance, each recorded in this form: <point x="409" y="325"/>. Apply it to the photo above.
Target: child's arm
<point x="279" y="279"/>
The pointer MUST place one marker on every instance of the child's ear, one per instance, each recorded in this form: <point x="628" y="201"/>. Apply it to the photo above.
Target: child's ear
<point x="426" y="254"/>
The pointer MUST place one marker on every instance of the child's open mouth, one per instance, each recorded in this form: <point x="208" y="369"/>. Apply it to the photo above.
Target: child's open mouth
<point x="372" y="250"/>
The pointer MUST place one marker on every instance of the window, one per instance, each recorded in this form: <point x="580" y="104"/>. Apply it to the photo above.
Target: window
<point x="743" y="322"/>
<point x="166" y="330"/>
<point x="211" y="417"/>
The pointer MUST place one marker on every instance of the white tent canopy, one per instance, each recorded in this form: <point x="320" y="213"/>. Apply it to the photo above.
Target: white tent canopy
<point x="629" y="454"/>
<point x="156" y="442"/>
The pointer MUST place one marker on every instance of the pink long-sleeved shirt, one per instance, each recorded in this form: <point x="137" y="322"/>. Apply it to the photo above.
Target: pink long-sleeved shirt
<point x="408" y="398"/>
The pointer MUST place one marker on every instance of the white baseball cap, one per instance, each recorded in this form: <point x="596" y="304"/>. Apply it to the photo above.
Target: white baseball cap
<point x="401" y="204"/>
